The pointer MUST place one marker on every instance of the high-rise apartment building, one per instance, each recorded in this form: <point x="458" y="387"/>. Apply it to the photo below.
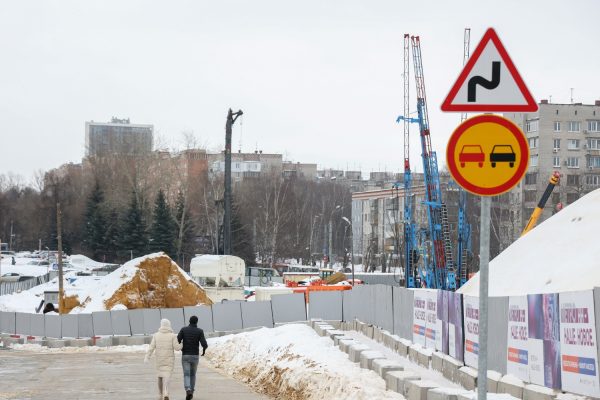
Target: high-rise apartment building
<point x="118" y="137"/>
<point x="564" y="138"/>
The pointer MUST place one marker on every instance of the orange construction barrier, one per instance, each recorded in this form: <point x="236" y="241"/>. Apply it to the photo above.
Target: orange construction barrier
<point x="321" y="288"/>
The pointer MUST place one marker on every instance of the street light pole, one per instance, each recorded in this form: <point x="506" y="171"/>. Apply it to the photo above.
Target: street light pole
<point x="351" y="246"/>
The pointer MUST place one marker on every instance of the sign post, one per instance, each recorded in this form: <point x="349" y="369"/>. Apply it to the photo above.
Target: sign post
<point x="487" y="155"/>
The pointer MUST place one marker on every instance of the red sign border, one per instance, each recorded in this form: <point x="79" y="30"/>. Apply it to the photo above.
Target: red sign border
<point x="521" y="168"/>
<point x="531" y="105"/>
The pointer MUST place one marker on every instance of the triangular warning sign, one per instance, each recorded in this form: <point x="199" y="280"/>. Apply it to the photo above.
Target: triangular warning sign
<point x="489" y="82"/>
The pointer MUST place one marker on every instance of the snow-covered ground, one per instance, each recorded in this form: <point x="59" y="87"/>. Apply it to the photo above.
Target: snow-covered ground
<point x="561" y="254"/>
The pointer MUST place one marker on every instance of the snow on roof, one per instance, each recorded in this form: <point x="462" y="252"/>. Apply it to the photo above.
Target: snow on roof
<point x="561" y="254"/>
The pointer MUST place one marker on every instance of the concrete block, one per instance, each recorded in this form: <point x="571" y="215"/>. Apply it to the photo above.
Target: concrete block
<point x="511" y="385"/>
<point x="335" y="323"/>
<point x="336" y="339"/>
<point x="396" y="380"/>
<point x="104" y="341"/>
<point x="493" y="378"/>
<point x="320" y="329"/>
<point x="402" y="347"/>
<point x="417" y="390"/>
<point x="135" y="340"/>
<point x="354" y="351"/>
<point x="332" y="333"/>
<point x="56" y="343"/>
<point x="11" y="340"/>
<point x="314" y="321"/>
<point x="344" y="344"/>
<point x="450" y="367"/>
<point x="437" y="361"/>
<point x="467" y="378"/>
<point x="469" y="396"/>
<point x="445" y="393"/>
<point x="147" y="339"/>
<point x="366" y="358"/>
<point x="382" y="366"/>
<point x="78" y="342"/>
<point x="413" y="354"/>
<point x="41" y="342"/>
<point x="367" y="330"/>
<point x="377" y="334"/>
<point x="535" y="392"/>
<point x="392" y="341"/>
<point x="424" y="357"/>
<point x="120" y="340"/>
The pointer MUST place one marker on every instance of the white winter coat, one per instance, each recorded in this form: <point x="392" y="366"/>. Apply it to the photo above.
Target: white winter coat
<point x="164" y="343"/>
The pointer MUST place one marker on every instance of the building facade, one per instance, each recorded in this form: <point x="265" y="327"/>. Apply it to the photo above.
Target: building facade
<point x="118" y="137"/>
<point x="247" y="165"/>
<point x="564" y="138"/>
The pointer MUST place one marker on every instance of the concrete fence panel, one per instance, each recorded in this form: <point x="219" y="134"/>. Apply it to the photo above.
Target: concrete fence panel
<point x="38" y="325"/>
<point x="288" y="307"/>
<point x="23" y="323"/>
<point x="227" y="316"/>
<point x="257" y="313"/>
<point x="8" y="322"/>
<point x="497" y="333"/>
<point x="348" y="305"/>
<point x="326" y="305"/>
<point x="102" y="323"/>
<point x="69" y="326"/>
<point x="85" y="325"/>
<point x="151" y="320"/>
<point x="384" y="311"/>
<point x="120" y="323"/>
<point x="52" y="326"/>
<point x="136" y="321"/>
<point x="204" y="314"/>
<point x="175" y="315"/>
<point x="360" y="302"/>
<point x="403" y="312"/>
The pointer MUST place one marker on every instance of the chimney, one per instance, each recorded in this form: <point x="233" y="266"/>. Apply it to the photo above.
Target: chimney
<point x="544" y="101"/>
<point x="598" y="102"/>
<point x="260" y="151"/>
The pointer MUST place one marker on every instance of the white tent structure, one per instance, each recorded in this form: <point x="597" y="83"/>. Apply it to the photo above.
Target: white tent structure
<point x="218" y="270"/>
<point x="561" y="254"/>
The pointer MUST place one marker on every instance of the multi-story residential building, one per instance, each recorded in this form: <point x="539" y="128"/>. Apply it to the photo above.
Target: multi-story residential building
<point x="247" y="165"/>
<point x="299" y="170"/>
<point x="118" y="137"/>
<point x="564" y="138"/>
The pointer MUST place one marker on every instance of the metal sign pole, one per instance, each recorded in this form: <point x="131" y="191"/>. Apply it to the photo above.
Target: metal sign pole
<point x="484" y="263"/>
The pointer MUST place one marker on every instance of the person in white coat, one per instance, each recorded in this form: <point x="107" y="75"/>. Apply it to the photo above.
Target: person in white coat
<point x="164" y="343"/>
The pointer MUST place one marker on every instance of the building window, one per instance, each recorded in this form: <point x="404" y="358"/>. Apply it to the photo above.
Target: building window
<point x="556" y="126"/>
<point x="555" y="198"/>
<point x="594" y="126"/>
<point x="530" y="195"/>
<point x="533" y="160"/>
<point x="593" y="162"/>
<point x="556" y="162"/>
<point x="593" y="144"/>
<point x="556" y="144"/>
<point x="592" y="180"/>
<point x="532" y="126"/>
<point x="573" y="144"/>
<point x="572" y="162"/>
<point x="572" y="180"/>
<point x="574" y="126"/>
<point x="533" y="142"/>
<point x="572" y="197"/>
<point x="531" y="178"/>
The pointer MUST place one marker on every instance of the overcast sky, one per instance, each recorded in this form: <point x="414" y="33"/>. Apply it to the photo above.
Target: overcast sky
<point x="319" y="81"/>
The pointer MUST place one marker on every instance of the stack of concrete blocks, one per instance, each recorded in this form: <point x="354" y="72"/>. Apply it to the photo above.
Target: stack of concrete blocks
<point x="467" y="377"/>
<point x="354" y="351"/>
<point x="511" y="385"/>
<point x="446" y="393"/>
<point x="367" y="357"/>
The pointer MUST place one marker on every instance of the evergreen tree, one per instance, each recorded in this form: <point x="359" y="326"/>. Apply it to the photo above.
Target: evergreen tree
<point x="134" y="230"/>
<point x="112" y="236"/>
<point x="95" y="224"/>
<point x="163" y="231"/>
<point x="183" y="243"/>
<point x="241" y="238"/>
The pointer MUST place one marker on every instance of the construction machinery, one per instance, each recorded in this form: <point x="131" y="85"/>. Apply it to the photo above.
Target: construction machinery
<point x="537" y="212"/>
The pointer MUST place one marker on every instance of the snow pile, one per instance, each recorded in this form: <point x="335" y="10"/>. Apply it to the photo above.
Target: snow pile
<point x="561" y="254"/>
<point x="293" y="362"/>
<point x="81" y="262"/>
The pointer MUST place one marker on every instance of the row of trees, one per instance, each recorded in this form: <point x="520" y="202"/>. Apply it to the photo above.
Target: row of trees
<point x="117" y="208"/>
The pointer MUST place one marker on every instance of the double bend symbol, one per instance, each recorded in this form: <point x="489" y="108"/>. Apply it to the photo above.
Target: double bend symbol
<point x="480" y="80"/>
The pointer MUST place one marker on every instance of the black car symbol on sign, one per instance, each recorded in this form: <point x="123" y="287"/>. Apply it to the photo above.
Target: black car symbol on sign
<point x="503" y="153"/>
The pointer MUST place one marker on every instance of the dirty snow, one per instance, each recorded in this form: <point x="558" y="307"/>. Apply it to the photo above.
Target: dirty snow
<point x="86" y="349"/>
<point x="293" y="362"/>
<point x="561" y="254"/>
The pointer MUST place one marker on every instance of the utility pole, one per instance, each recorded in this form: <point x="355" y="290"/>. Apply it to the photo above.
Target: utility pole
<point x="11" y="236"/>
<point x="61" y="293"/>
<point x="231" y="117"/>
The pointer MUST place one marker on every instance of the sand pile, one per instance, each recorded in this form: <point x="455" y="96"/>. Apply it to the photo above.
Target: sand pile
<point x="152" y="281"/>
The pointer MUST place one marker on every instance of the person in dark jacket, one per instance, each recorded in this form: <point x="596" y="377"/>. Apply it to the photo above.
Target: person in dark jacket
<point x="192" y="337"/>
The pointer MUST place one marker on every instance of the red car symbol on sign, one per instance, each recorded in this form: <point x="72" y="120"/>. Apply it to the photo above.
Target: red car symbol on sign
<point x="471" y="153"/>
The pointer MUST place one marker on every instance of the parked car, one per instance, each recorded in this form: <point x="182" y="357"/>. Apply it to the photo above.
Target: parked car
<point x="39" y="262"/>
<point x="13" y="277"/>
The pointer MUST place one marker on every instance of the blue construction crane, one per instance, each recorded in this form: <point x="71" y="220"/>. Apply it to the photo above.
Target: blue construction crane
<point x="440" y="270"/>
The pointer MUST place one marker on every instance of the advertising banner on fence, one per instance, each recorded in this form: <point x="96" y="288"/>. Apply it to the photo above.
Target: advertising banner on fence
<point x="419" y="316"/>
<point x="544" y="339"/>
<point x="471" y="313"/>
<point x="578" y="343"/>
<point x="518" y="333"/>
<point x="432" y="330"/>
<point x="441" y="340"/>
<point x="455" y="326"/>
